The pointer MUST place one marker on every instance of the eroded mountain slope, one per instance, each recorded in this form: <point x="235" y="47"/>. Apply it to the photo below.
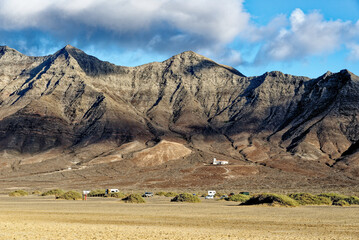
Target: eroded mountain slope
<point x="69" y="116"/>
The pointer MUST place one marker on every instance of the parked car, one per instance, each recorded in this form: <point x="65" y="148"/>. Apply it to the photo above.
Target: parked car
<point x="147" y="194"/>
<point x="209" y="197"/>
<point x="223" y="197"/>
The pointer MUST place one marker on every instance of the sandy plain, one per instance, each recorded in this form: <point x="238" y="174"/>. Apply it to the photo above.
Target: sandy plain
<point x="34" y="217"/>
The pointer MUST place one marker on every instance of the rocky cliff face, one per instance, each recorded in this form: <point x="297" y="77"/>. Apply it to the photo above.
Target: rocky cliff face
<point x="71" y="116"/>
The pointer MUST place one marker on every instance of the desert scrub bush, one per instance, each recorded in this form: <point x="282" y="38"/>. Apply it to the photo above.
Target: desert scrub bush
<point x="186" y="197"/>
<point x="238" y="198"/>
<point x="335" y="197"/>
<point x="116" y="195"/>
<point x="70" y="195"/>
<point x="310" y="199"/>
<point x="170" y="194"/>
<point x="271" y="199"/>
<point x="18" y="193"/>
<point x="342" y="203"/>
<point x="55" y="192"/>
<point x="97" y="193"/>
<point x="134" y="198"/>
<point x="353" y="200"/>
<point x="36" y="192"/>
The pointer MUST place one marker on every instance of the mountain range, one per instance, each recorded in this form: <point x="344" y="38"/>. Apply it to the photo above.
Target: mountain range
<point x="71" y="120"/>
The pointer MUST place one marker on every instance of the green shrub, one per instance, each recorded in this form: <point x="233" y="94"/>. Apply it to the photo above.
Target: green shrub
<point x="134" y="198"/>
<point x="70" y="195"/>
<point x="186" y="197"/>
<point x="271" y="199"/>
<point x="18" y="193"/>
<point x="97" y="193"/>
<point x="352" y="200"/>
<point x="335" y="197"/>
<point x="342" y="203"/>
<point x="310" y="199"/>
<point x="36" y="192"/>
<point x="170" y="194"/>
<point x="238" y="198"/>
<point x="116" y="195"/>
<point x="55" y="192"/>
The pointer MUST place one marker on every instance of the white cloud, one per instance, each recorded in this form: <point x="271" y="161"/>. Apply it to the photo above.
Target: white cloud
<point x="254" y="33"/>
<point x="156" y="24"/>
<point x="354" y="52"/>
<point x="302" y="36"/>
<point x="167" y="27"/>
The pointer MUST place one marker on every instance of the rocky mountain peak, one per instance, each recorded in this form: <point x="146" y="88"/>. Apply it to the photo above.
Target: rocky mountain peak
<point x="3" y="49"/>
<point x="69" y="47"/>
<point x="10" y="52"/>
<point x="194" y="60"/>
<point x="327" y="74"/>
<point x="274" y="74"/>
<point x="347" y="73"/>
<point x="91" y="65"/>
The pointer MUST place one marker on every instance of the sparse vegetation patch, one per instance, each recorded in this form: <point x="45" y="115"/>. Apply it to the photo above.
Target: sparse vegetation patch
<point x="134" y="198"/>
<point x="70" y="195"/>
<point x="238" y="198"/>
<point x="335" y="198"/>
<point x="271" y="199"/>
<point x="116" y="195"/>
<point x="36" y="192"/>
<point x="97" y="193"/>
<point x="18" y="193"/>
<point x="166" y="194"/>
<point x="310" y="199"/>
<point x="342" y="203"/>
<point x="55" y="192"/>
<point x="186" y="197"/>
<point x="171" y="194"/>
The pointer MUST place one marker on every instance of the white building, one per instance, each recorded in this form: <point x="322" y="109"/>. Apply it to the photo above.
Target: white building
<point x="211" y="193"/>
<point x="217" y="162"/>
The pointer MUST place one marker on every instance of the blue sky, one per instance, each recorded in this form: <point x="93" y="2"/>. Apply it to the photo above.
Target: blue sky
<point x="299" y="37"/>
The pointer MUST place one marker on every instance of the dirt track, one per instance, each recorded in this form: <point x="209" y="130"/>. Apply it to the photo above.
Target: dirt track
<point x="45" y="218"/>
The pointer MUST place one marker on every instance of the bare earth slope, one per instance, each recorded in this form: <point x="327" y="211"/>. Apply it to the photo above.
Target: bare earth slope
<point x="71" y="120"/>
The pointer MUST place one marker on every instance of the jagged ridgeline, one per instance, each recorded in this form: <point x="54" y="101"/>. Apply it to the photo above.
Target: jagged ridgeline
<point x="70" y="112"/>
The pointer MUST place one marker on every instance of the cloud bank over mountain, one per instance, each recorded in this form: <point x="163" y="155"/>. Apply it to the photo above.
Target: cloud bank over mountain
<point x="158" y="25"/>
<point x="225" y="31"/>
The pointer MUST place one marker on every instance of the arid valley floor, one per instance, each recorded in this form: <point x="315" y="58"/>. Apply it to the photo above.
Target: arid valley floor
<point x="35" y="217"/>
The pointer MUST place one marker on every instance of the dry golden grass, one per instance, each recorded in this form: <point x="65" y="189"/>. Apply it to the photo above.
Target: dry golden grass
<point x="35" y="217"/>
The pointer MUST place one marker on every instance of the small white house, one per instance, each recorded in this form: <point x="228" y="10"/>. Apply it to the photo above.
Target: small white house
<point x="217" y="162"/>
